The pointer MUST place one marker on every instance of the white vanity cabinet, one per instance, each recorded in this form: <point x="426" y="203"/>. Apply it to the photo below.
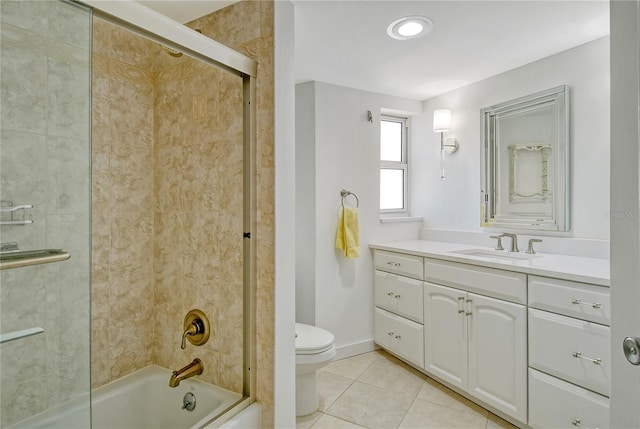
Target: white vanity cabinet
<point x="398" y="296"/>
<point x="529" y="346"/>
<point x="475" y="342"/>
<point x="569" y="356"/>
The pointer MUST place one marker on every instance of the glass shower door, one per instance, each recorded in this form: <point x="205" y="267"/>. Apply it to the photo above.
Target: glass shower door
<point x="45" y="201"/>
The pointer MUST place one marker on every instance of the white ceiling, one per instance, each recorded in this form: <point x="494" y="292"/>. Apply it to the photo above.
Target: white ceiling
<point x="345" y="42"/>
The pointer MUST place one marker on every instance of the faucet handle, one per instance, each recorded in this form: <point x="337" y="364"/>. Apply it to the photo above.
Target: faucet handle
<point x="196" y="328"/>
<point x="191" y="330"/>
<point x="530" y="249"/>
<point x="499" y="243"/>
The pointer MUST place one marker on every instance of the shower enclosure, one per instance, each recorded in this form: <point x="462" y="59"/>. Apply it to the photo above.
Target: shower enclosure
<point x="138" y="163"/>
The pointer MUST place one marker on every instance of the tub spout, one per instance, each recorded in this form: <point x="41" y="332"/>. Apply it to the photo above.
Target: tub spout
<point x="191" y="370"/>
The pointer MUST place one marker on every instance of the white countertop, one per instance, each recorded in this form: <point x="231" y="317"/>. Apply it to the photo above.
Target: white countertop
<point x="575" y="268"/>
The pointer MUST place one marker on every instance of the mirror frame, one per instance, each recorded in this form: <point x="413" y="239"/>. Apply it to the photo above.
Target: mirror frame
<point x="557" y="160"/>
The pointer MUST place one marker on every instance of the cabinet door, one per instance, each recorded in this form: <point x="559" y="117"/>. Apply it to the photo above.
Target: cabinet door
<point x="498" y="354"/>
<point x="445" y="328"/>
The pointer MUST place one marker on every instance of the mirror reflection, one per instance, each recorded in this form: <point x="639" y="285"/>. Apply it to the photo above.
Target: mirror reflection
<point x="525" y="166"/>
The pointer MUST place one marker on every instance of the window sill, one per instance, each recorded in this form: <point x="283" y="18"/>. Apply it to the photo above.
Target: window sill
<point x="401" y="219"/>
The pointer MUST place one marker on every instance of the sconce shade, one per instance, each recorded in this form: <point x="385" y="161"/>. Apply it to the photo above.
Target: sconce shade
<point x="441" y="120"/>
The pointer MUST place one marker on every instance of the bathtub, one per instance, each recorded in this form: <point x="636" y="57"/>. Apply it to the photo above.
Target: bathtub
<point x="142" y="400"/>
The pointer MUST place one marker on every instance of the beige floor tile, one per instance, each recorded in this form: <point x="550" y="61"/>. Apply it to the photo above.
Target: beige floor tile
<point x="352" y="367"/>
<point x="426" y="415"/>
<point x="396" y="378"/>
<point x="330" y="387"/>
<point x="305" y="422"/>
<point x="370" y="406"/>
<point x="436" y="393"/>
<point x="496" y="422"/>
<point x="330" y="422"/>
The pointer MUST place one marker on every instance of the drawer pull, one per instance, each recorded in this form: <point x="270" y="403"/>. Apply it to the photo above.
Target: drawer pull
<point x="579" y="302"/>
<point x="577" y="422"/>
<point x="397" y="337"/>
<point x="390" y="334"/>
<point x="596" y="361"/>
<point x="390" y="293"/>
<point x="397" y="296"/>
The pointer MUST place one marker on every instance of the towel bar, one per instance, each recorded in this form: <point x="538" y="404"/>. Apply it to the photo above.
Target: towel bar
<point x="344" y="194"/>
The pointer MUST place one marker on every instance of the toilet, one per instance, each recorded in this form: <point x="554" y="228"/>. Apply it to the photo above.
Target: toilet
<point x="315" y="348"/>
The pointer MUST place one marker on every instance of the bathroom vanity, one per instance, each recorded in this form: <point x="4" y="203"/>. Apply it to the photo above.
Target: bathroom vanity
<point x="526" y="336"/>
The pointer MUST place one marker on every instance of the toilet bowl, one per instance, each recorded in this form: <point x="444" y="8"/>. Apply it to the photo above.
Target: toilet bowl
<point x="315" y="348"/>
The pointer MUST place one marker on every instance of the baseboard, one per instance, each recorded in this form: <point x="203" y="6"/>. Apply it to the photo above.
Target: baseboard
<point x="355" y="349"/>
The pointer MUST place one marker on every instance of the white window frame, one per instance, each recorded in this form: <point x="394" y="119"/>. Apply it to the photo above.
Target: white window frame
<point x="401" y="165"/>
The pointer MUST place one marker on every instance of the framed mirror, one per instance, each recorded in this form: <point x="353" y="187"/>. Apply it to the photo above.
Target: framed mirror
<point x="525" y="162"/>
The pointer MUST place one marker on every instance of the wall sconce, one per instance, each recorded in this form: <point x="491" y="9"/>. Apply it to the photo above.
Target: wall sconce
<point x="442" y="124"/>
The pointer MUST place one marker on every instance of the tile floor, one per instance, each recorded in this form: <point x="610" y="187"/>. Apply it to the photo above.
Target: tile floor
<point x="377" y="391"/>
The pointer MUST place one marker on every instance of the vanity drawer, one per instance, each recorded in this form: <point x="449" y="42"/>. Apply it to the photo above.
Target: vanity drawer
<point x="554" y="403"/>
<point x="581" y="300"/>
<point x="399" y="263"/>
<point x="399" y="294"/>
<point x="567" y="348"/>
<point x="400" y="336"/>
<point x="501" y="284"/>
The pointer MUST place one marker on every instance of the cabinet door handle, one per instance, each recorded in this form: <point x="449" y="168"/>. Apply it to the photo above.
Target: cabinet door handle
<point x="390" y="334"/>
<point x="592" y="304"/>
<point x="577" y="422"/>
<point x="596" y="361"/>
<point x="390" y="293"/>
<point x="397" y="337"/>
<point x="460" y="299"/>
<point x="397" y="296"/>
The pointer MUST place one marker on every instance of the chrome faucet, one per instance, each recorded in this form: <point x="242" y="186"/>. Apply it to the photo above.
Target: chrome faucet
<point x="191" y="370"/>
<point x="514" y="241"/>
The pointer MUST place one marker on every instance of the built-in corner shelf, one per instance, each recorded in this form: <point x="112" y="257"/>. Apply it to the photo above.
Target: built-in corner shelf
<point x="23" y="258"/>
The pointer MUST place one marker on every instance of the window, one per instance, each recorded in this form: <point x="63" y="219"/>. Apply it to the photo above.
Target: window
<point x="393" y="164"/>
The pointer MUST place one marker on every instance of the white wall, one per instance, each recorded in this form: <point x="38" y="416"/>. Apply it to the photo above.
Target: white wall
<point x="337" y="148"/>
<point x="454" y="204"/>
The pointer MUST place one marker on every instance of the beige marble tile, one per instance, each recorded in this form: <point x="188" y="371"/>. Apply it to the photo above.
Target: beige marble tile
<point x="397" y="379"/>
<point x="426" y="415"/>
<point x="305" y="422"/>
<point x="370" y="406"/>
<point x="195" y="167"/>
<point x="329" y="422"/>
<point x="330" y="387"/>
<point x="434" y="392"/>
<point x="352" y="367"/>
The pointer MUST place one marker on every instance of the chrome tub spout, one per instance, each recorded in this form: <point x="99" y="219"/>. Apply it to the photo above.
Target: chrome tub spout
<point x="191" y="370"/>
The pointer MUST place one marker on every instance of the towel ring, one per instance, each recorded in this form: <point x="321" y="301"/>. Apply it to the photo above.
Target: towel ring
<point x="344" y="194"/>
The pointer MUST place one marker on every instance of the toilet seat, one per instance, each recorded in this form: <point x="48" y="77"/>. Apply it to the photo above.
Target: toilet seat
<point x="312" y="340"/>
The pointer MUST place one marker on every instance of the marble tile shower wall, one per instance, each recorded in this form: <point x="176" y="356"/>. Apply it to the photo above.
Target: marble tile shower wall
<point x="44" y="142"/>
<point x="167" y="201"/>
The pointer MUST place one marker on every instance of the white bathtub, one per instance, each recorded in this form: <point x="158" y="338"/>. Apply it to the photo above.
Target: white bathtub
<point x="142" y="400"/>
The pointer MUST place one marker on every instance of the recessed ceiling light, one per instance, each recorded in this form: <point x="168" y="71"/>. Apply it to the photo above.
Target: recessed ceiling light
<point x="410" y="27"/>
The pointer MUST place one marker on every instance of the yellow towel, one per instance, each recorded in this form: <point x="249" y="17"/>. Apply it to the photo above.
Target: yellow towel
<point x="348" y="234"/>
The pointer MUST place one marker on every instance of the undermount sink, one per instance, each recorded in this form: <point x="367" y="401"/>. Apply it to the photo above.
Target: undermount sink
<point x="495" y="254"/>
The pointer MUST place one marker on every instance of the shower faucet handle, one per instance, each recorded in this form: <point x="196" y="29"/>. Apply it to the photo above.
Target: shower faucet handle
<point x="193" y="329"/>
<point x="196" y="328"/>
